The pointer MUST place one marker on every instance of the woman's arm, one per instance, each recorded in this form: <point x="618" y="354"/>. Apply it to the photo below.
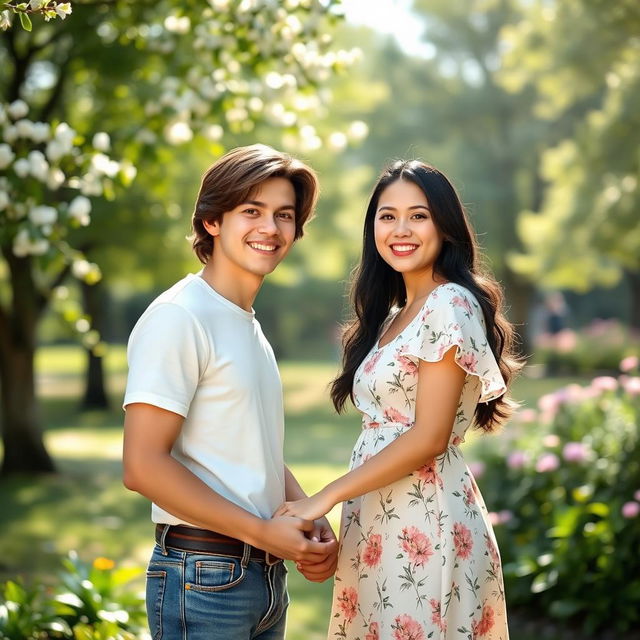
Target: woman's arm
<point x="438" y="395"/>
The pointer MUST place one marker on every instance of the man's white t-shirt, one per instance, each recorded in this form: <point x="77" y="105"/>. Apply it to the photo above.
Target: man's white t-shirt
<point x="199" y="355"/>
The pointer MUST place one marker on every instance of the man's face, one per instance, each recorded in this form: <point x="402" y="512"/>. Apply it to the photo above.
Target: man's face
<point x="255" y="236"/>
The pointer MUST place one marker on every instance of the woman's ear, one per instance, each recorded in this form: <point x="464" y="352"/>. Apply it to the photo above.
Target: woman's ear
<point x="212" y="227"/>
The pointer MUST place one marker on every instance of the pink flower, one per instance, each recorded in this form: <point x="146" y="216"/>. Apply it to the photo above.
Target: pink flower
<point x="429" y="474"/>
<point x="393" y="415"/>
<point x="469" y="362"/>
<point x="477" y="469"/>
<point x="547" y="462"/>
<point x="373" y="550"/>
<point x="551" y="440"/>
<point x="416" y="545"/>
<point x="629" y="363"/>
<point x="636" y="495"/>
<point x="406" y="628"/>
<point x="517" y="459"/>
<point x="566" y="340"/>
<point x="348" y="601"/>
<point x="406" y="364"/>
<point x="526" y="416"/>
<point x="373" y="632"/>
<point x="469" y="495"/>
<point x="505" y="516"/>
<point x="574" y="452"/>
<point x="632" y="386"/>
<point x="494" y="518"/>
<point x="462" y="540"/>
<point x="462" y="302"/>
<point x="630" y="509"/>
<point x="371" y="424"/>
<point x="436" y="614"/>
<point x="485" y="624"/>
<point x="604" y="383"/>
<point x="370" y="365"/>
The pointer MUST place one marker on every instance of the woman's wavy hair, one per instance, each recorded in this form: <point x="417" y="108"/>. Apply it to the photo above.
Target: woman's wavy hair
<point x="232" y="179"/>
<point x="376" y="287"/>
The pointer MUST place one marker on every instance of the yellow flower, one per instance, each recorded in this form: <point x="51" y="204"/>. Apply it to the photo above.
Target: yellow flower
<point x="103" y="564"/>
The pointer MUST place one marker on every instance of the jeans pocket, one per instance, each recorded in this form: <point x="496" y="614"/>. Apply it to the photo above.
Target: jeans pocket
<point x="156" y="582"/>
<point x="217" y="574"/>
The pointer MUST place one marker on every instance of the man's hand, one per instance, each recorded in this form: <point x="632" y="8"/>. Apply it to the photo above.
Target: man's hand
<point x="320" y="571"/>
<point x="284" y="537"/>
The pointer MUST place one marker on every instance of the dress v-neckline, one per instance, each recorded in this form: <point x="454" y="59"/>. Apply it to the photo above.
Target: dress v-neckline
<point x="378" y="346"/>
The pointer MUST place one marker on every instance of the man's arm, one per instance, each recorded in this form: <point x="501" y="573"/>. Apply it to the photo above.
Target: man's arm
<point x="149" y="469"/>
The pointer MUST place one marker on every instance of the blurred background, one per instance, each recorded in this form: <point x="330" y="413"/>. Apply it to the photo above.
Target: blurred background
<point x="110" y="112"/>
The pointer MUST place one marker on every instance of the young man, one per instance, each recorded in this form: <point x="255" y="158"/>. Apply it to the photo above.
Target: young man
<point x="204" y="418"/>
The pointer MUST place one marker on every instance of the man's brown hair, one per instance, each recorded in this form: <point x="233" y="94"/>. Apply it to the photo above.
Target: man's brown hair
<point x="230" y="181"/>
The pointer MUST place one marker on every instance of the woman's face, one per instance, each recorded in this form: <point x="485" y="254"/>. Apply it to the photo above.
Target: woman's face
<point x="406" y="237"/>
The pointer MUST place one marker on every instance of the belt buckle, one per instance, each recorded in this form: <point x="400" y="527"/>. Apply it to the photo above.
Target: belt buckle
<point x="270" y="559"/>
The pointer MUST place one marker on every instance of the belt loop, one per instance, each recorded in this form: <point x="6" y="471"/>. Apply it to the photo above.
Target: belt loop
<point x="246" y="554"/>
<point x="163" y="546"/>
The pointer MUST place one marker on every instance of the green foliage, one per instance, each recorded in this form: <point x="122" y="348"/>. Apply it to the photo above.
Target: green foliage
<point x="87" y="603"/>
<point x="565" y="506"/>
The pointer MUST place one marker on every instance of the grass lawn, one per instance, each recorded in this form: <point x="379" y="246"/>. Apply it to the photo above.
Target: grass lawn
<point x="85" y="507"/>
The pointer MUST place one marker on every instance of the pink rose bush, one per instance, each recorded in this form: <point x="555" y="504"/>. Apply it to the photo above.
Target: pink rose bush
<point x="564" y="495"/>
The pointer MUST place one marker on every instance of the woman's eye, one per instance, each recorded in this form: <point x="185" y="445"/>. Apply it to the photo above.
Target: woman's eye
<point x="286" y="215"/>
<point x="251" y="211"/>
<point x="386" y="216"/>
<point x="421" y="216"/>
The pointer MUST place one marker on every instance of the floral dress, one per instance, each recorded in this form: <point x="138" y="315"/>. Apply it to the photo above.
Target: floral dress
<point x="418" y="558"/>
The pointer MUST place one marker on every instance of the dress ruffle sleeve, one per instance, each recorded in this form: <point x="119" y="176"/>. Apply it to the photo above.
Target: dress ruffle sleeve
<point x="451" y="317"/>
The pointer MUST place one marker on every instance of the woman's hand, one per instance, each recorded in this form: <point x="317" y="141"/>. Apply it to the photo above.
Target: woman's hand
<point x="310" y="508"/>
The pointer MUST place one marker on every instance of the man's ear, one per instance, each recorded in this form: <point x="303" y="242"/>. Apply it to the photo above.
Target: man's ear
<point x="212" y="227"/>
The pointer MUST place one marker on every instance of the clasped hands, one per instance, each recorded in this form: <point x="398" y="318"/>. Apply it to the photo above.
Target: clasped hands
<point x="313" y="509"/>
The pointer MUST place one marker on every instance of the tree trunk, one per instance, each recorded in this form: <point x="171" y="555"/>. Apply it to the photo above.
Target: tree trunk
<point x="95" y="396"/>
<point x="24" y="449"/>
<point x="634" y="286"/>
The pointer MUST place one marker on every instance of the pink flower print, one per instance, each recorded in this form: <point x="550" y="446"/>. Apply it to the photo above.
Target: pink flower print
<point x="371" y="424"/>
<point x="373" y="550"/>
<point x="469" y="496"/>
<point x="405" y="363"/>
<point x="462" y="540"/>
<point x="393" y="415"/>
<point x="456" y="440"/>
<point x="436" y="614"/>
<point x="485" y="624"/>
<point x="406" y="628"/>
<point x="461" y="302"/>
<point x="348" y="600"/>
<point x="370" y="364"/>
<point x="443" y="348"/>
<point x="492" y="549"/>
<point x="416" y="545"/>
<point x="373" y="632"/>
<point x="468" y="362"/>
<point x="429" y="474"/>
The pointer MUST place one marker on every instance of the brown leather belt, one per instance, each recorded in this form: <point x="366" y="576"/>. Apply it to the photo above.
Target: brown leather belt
<point x="186" y="538"/>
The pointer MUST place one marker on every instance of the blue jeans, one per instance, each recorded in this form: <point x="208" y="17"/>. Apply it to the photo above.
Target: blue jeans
<point x="198" y="596"/>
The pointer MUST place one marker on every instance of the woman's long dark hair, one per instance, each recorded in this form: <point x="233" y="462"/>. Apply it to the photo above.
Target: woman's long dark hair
<point x="377" y="287"/>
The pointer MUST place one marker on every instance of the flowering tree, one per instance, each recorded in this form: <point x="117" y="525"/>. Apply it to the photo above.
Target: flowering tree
<point x="153" y="74"/>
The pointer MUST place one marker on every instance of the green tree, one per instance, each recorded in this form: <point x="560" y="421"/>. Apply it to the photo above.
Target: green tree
<point x="153" y="75"/>
<point x="583" y="58"/>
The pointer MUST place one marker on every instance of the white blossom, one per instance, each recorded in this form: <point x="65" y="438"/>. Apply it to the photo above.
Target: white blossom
<point x="18" y="109"/>
<point x="358" y="130"/>
<point x="43" y="214"/>
<point x="10" y="134"/>
<point x="39" y="247"/>
<point x="337" y="141"/>
<point x="101" y="141"/>
<point x="41" y="131"/>
<point x="38" y="166"/>
<point x="21" y="167"/>
<point x="55" y="178"/>
<point x="80" y="269"/>
<point x="21" y="243"/>
<point x="34" y="5"/>
<point x="65" y="134"/>
<point x="6" y="155"/>
<point x="213" y="132"/>
<point x="63" y="9"/>
<point x="177" y="24"/>
<point x="56" y="150"/>
<point x="24" y="128"/>
<point x="5" y="20"/>
<point x="103" y="164"/>
<point x="79" y="209"/>
<point x="178" y="132"/>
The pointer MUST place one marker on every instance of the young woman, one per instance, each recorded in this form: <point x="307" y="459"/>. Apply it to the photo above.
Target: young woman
<point x="427" y="356"/>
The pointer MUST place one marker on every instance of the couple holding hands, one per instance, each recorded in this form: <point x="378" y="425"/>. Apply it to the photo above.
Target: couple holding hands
<point x="427" y="355"/>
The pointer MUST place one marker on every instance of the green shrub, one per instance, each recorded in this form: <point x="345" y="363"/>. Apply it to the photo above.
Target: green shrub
<point x="567" y="498"/>
<point x="86" y="603"/>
